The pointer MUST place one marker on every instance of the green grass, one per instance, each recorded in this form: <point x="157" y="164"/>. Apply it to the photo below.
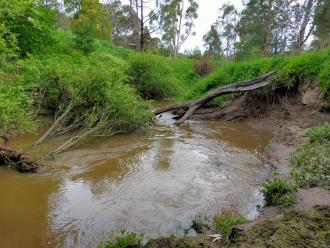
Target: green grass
<point x="278" y="192"/>
<point x="226" y="221"/>
<point x="311" y="162"/>
<point x="124" y="240"/>
<point x="291" y="70"/>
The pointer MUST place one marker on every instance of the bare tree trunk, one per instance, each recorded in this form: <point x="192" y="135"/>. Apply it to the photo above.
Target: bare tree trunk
<point x="55" y="125"/>
<point x="191" y="106"/>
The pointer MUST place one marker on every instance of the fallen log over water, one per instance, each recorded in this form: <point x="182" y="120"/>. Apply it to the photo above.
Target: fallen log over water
<point x="191" y="106"/>
<point x="11" y="158"/>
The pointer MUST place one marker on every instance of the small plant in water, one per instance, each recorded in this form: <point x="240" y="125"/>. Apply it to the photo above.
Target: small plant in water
<point x="225" y="221"/>
<point x="278" y="192"/>
<point x="124" y="240"/>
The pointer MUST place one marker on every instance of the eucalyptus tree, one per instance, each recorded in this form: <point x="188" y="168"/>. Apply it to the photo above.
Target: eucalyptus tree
<point x="212" y="43"/>
<point x="176" y="21"/>
<point x="227" y="23"/>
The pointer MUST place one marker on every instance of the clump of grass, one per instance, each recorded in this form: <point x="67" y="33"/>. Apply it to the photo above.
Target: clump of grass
<point x="278" y="192"/>
<point x="225" y="221"/>
<point x="311" y="162"/>
<point x="124" y="240"/>
<point x="319" y="134"/>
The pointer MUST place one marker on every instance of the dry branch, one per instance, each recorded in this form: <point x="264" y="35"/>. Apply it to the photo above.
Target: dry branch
<point x="55" y="125"/>
<point x="191" y="106"/>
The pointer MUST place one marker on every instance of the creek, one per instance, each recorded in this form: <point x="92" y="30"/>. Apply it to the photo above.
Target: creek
<point x="154" y="181"/>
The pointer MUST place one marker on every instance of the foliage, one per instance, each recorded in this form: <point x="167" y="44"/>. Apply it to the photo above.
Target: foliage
<point x="15" y="106"/>
<point x="278" y="192"/>
<point x="291" y="70"/>
<point x="28" y="25"/>
<point x="226" y="221"/>
<point x="311" y="162"/>
<point x="212" y="43"/>
<point x="322" y="23"/>
<point x="176" y="21"/>
<point x="203" y="66"/>
<point x="319" y="134"/>
<point x="152" y="77"/>
<point x="90" y="21"/>
<point x="124" y="240"/>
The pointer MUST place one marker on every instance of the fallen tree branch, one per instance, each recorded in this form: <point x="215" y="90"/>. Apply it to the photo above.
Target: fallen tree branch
<point x="191" y="106"/>
<point x="55" y="124"/>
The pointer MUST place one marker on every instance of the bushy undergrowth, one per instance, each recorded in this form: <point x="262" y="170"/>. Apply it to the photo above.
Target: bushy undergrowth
<point x="153" y="78"/>
<point x="278" y="192"/>
<point x="95" y="86"/>
<point x="311" y="162"/>
<point x="291" y="70"/>
<point x="15" y="105"/>
<point x="226" y="221"/>
<point x="124" y="240"/>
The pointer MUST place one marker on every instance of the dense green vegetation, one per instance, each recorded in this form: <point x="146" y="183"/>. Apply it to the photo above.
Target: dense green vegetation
<point x="311" y="162"/>
<point x="291" y="70"/>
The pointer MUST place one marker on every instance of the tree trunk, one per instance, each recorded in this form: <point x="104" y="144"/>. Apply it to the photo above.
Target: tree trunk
<point x="191" y="106"/>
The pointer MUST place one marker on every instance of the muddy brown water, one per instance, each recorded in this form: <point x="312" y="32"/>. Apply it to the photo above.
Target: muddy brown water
<point x="154" y="181"/>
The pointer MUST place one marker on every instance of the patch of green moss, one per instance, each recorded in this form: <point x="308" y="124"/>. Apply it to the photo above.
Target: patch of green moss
<point x="296" y="228"/>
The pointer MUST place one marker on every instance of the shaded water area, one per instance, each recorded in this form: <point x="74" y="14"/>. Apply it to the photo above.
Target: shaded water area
<point x="154" y="181"/>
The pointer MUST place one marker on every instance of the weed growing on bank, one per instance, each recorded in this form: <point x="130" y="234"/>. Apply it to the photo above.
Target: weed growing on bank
<point x="311" y="162"/>
<point x="224" y="222"/>
<point x="278" y="192"/>
<point x="123" y="240"/>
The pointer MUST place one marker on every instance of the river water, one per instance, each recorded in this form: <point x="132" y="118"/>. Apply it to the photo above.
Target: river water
<point x="154" y="181"/>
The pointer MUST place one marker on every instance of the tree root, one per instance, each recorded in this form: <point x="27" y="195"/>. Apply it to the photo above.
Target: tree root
<point x="11" y="158"/>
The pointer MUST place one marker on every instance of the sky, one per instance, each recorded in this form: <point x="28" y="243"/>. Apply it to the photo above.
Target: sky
<point x="207" y="14"/>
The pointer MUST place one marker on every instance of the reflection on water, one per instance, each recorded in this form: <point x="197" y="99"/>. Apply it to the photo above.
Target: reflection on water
<point x="154" y="181"/>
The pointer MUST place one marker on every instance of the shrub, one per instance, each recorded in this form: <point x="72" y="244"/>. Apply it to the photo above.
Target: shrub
<point x="226" y="221"/>
<point x="83" y="40"/>
<point x="31" y="24"/>
<point x="278" y="192"/>
<point x="311" y="162"/>
<point x="93" y="89"/>
<point x="152" y="77"/>
<point x="203" y="66"/>
<point x="124" y="240"/>
<point x="14" y="109"/>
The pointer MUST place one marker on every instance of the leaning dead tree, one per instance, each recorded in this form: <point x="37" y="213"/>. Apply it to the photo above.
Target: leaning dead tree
<point x="191" y="106"/>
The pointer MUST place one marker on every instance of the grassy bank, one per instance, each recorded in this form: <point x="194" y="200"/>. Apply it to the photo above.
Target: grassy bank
<point x="291" y="70"/>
